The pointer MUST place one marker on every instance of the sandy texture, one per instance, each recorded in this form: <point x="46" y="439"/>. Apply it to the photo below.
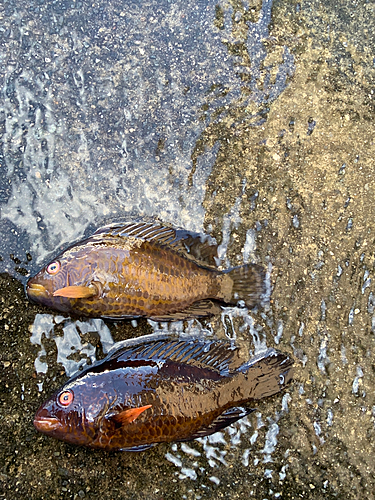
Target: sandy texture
<point x="251" y="123"/>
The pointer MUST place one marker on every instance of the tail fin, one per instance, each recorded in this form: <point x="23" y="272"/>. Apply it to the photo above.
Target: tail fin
<point x="249" y="284"/>
<point x="267" y="373"/>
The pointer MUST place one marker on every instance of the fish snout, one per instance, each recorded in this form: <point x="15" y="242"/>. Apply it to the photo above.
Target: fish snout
<point x="47" y="424"/>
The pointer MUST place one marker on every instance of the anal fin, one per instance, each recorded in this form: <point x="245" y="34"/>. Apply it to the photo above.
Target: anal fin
<point x="227" y="418"/>
<point x="200" y="309"/>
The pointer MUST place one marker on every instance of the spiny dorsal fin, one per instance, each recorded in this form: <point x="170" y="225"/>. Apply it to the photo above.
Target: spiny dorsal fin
<point x="147" y="231"/>
<point x="200" y="248"/>
<point x="213" y="354"/>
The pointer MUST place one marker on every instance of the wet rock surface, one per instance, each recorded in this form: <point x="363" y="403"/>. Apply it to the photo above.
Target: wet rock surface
<point x="252" y="122"/>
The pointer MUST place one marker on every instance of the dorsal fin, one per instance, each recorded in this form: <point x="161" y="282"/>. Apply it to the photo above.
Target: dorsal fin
<point x="147" y="231"/>
<point x="194" y="246"/>
<point x="213" y="354"/>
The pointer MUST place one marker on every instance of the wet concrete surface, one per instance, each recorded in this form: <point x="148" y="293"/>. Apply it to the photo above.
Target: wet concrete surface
<point x="253" y="122"/>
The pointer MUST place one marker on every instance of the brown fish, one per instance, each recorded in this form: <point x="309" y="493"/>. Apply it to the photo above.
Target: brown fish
<point x="144" y="269"/>
<point x="157" y="389"/>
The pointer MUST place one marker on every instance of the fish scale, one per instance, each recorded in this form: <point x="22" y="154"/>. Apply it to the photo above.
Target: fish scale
<point x="157" y="389"/>
<point x="144" y="270"/>
<point x="159" y="290"/>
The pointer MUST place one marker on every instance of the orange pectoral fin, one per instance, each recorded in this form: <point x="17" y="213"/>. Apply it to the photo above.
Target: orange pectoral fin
<point x="127" y="416"/>
<point x="76" y="292"/>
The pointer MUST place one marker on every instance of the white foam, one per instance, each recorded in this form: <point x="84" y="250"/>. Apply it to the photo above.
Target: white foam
<point x="216" y="438"/>
<point x="186" y="472"/>
<point x="285" y="401"/>
<point x="42" y="326"/>
<point x="357" y="380"/>
<point x="271" y="441"/>
<point x="245" y="457"/>
<point x="213" y="453"/>
<point x="301" y="328"/>
<point x="282" y="473"/>
<point x="254" y="437"/>
<point x="329" y="417"/>
<point x="323" y="359"/>
<point x="280" y="328"/>
<point x="175" y="460"/>
<point x="190" y="451"/>
<point x="249" y="247"/>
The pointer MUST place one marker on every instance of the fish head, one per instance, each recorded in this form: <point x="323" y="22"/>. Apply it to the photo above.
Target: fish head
<point x="90" y="410"/>
<point x="73" y="270"/>
<point x="76" y="413"/>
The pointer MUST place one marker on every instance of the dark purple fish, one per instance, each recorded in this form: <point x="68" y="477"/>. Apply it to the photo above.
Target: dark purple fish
<point x="157" y="389"/>
<point x="144" y="269"/>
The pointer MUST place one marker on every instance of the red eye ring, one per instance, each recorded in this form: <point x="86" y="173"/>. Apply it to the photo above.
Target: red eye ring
<point x="65" y="398"/>
<point x="54" y="267"/>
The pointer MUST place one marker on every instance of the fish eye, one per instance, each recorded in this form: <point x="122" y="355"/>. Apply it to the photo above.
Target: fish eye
<point x="65" y="398"/>
<point x="54" y="267"/>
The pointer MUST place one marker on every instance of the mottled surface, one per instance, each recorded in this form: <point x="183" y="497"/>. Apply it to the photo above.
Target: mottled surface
<point x="256" y="128"/>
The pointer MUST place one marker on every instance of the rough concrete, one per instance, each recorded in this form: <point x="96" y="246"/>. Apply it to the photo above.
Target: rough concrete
<point x="290" y="136"/>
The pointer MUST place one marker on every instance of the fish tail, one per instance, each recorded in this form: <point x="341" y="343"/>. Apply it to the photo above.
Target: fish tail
<point x="266" y="374"/>
<point x="248" y="283"/>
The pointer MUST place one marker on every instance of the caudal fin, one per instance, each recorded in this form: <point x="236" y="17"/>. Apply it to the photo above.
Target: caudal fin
<point x="249" y="284"/>
<point x="267" y="373"/>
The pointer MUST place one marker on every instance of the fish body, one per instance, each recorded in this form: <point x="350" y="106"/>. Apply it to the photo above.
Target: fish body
<point x="144" y="269"/>
<point x="157" y="389"/>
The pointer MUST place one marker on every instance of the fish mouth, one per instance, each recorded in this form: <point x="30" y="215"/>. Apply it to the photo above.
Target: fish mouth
<point x="47" y="424"/>
<point x="36" y="290"/>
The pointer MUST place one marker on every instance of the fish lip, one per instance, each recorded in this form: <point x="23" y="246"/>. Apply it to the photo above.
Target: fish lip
<point x="47" y="424"/>
<point x="36" y="290"/>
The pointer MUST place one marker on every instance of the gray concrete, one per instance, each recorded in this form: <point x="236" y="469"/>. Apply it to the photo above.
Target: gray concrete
<point x="252" y="123"/>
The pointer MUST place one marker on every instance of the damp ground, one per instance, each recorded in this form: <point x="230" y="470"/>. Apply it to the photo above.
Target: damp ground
<point x="249" y="121"/>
